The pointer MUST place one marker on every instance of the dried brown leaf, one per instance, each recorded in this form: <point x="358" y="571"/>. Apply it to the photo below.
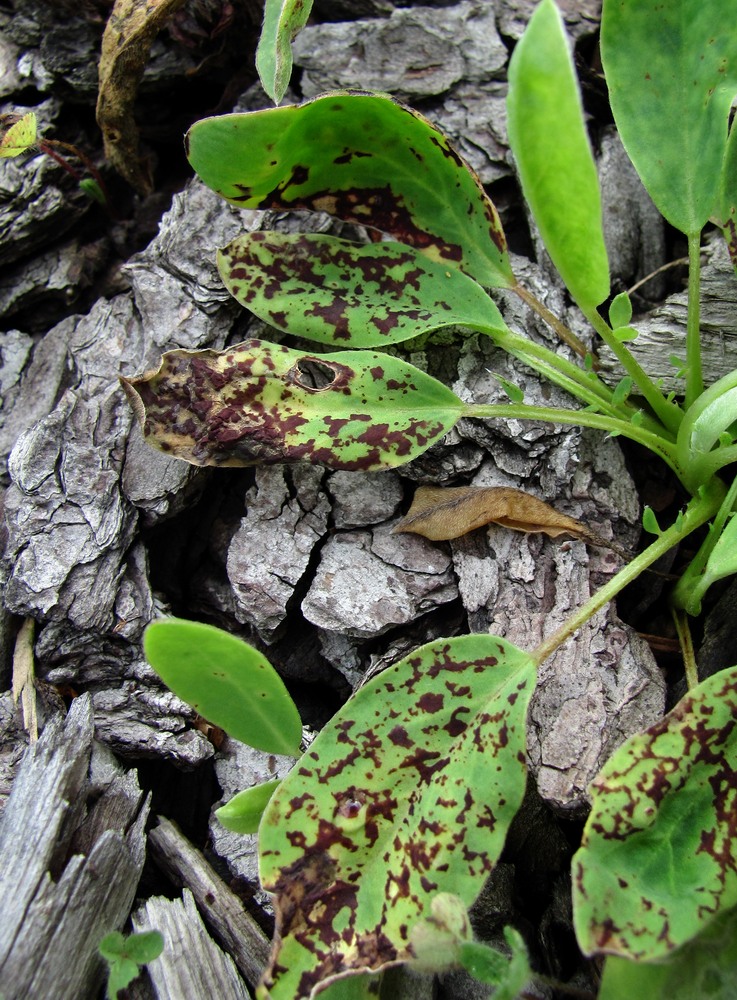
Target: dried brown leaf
<point x="126" y="43"/>
<point x="440" y="513"/>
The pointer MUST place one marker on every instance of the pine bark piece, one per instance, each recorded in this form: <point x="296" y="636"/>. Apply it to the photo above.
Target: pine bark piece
<point x="238" y="931"/>
<point x="191" y="965"/>
<point x="56" y="901"/>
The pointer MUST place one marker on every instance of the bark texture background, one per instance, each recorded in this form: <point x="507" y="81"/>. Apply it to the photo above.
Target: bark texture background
<point x="103" y="534"/>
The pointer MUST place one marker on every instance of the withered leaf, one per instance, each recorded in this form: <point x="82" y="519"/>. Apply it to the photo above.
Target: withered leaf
<point x="441" y="513"/>
<point x="260" y="403"/>
<point x="126" y="43"/>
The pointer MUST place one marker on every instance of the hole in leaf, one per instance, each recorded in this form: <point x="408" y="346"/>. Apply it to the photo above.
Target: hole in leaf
<point x="309" y="373"/>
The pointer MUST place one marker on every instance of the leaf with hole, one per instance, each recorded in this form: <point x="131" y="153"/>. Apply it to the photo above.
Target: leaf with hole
<point x="553" y="155"/>
<point x="407" y="792"/>
<point x="658" y="861"/>
<point x="336" y="292"/>
<point x="283" y="20"/>
<point x="440" y="513"/>
<point x="226" y="681"/>
<point x="672" y="75"/>
<point x="242" y="813"/>
<point x="266" y="403"/>
<point x="364" y="158"/>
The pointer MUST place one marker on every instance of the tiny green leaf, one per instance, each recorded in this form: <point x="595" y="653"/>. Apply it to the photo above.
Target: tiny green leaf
<point x="265" y="403"/>
<point x="672" y="75"/>
<point x="126" y="954"/>
<point x="227" y="681"/>
<point x="19" y="137"/>
<point x="508" y="974"/>
<point x="513" y="391"/>
<point x="622" y="391"/>
<point x="363" y="158"/>
<point x="625" y="333"/>
<point x="620" y="311"/>
<point x="348" y="294"/>
<point x="93" y="190"/>
<point x="658" y="861"/>
<point x="407" y="792"/>
<point x="242" y="813"/>
<point x="283" y="20"/>
<point x="650" y="522"/>
<point x="556" y="167"/>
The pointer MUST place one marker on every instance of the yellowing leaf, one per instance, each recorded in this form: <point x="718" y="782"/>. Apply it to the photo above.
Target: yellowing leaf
<point x="440" y="513"/>
<point x="19" y="136"/>
<point x="126" y="44"/>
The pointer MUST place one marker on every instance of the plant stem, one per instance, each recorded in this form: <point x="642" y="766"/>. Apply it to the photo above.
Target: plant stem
<point x="684" y="638"/>
<point x="694" y="377"/>
<point x="566" y="335"/>
<point x="698" y="511"/>
<point x="583" y="418"/>
<point x="669" y="414"/>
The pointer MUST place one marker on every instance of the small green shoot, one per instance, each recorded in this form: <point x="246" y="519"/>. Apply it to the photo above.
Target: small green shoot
<point x="126" y="955"/>
<point x="242" y="813"/>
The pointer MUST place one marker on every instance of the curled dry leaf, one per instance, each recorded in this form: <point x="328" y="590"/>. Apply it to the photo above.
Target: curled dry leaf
<point x="440" y="513"/>
<point x="126" y="43"/>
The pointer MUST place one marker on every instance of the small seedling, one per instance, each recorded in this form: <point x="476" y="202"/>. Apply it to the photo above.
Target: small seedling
<point x="126" y="955"/>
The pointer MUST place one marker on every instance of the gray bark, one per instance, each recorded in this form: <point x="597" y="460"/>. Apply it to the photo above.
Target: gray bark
<point x="72" y="844"/>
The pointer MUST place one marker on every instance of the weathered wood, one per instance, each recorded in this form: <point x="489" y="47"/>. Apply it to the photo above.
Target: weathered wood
<point x="191" y="965"/>
<point x="186" y="866"/>
<point x="70" y="866"/>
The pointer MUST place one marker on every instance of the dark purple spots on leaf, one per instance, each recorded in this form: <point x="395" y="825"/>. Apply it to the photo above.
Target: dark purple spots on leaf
<point x="431" y="702"/>
<point x="400" y="737"/>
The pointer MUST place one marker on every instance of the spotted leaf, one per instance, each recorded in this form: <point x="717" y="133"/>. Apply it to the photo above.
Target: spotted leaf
<point x="363" y="158"/>
<point x="408" y="792"/>
<point x="260" y="403"/>
<point x="331" y="290"/>
<point x="658" y="861"/>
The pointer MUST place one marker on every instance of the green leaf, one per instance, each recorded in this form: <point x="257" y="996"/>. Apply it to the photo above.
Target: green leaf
<point x="121" y="974"/>
<point x="672" y="73"/>
<point x="19" y="137"/>
<point x="723" y="559"/>
<point x="336" y="292"/>
<point x="556" y="167"/>
<point x="625" y="333"/>
<point x="650" y="522"/>
<point x="363" y="158"/>
<point x="409" y="791"/>
<point x="227" y="681"/>
<point x="726" y="212"/>
<point x="622" y="391"/>
<point x="704" y="969"/>
<point x="242" y="813"/>
<point x="283" y="20"/>
<point x="265" y="403"/>
<point x="124" y="956"/>
<point x="510" y="976"/>
<point x="658" y="860"/>
<point x="620" y="311"/>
